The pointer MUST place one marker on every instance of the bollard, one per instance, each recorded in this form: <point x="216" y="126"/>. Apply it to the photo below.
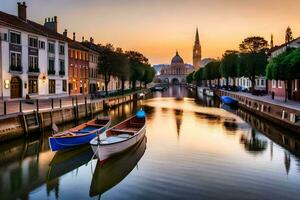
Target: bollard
<point x="4" y="107"/>
<point x="20" y="105"/>
<point x="60" y="103"/>
<point x="52" y="103"/>
<point x="37" y="105"/>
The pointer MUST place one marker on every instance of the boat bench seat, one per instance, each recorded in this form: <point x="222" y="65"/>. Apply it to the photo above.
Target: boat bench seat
<point x="124" y="131"/>
<point x="136" y="124"/>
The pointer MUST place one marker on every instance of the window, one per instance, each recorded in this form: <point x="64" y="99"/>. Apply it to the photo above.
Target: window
<point x="273" y="84"/>
<point x="15" y="38"/>
<point x="51" y="47"/>
<point x="41" y="44"/>
<point x="33" y="63"/>
<point x="296" y="85"/>
<point x="279" y="84"/>
<point x="32" y="85"/>
<point x="61" y="67"/>
<point x="262" y="82"/>
<point x="51" y="67"/>
<point x="62" y="49"/>
<point x="64" y="85"/>
<point x="33" y="42"/>
<point x="51" y="86"/>
<point x="15" y="61"/>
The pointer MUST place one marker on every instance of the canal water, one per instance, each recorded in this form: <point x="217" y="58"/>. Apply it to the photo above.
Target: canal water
<point x="194" y="149"/>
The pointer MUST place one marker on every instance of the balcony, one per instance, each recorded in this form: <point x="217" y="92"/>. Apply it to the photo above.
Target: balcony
<point x="16" y="69"/>
<point x="62" y="72"/>
<point x="34" y="70"/>
<point x="51" y="72"/>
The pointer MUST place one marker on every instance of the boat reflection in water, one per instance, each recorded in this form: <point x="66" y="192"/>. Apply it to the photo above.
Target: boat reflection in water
<point x="68" y="160"/>
<point x="116" y="168"/>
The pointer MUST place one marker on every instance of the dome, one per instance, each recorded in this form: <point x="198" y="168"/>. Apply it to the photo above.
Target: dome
<point x="177" y="59"/>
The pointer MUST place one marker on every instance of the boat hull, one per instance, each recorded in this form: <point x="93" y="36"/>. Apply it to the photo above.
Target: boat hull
<point x="104" y="151"/>
<point x="62" y="143"/>
<point x="228" y="100"/>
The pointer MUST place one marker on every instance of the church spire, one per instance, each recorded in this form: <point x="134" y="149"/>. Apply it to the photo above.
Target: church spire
<point x="197" y="41"/>
<point x="197" y="51"/>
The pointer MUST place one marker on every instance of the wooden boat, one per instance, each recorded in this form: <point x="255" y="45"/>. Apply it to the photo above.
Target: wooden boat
<point x="120" y="137"/>
<point x="79" y="135"/>
<point x="116" y="168"/>
<point x="229" y="100"/>
<point x="66" y="161"/>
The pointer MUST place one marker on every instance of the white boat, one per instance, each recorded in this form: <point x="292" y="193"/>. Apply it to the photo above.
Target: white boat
<point x="209" y="92"/>
<point x="120" y="137"/>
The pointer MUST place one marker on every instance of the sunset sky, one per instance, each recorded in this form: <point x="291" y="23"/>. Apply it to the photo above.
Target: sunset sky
<point x="158" y="27"/>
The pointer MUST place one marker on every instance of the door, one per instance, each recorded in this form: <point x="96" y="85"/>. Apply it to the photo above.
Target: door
<point x="15" y="87"/>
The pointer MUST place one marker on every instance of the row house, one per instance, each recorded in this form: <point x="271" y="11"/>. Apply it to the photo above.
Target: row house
<point x="96" y="79"/>
<point x="33" y="57"/>
<point x="278" y="87"/>
<point x="78" y="67"/>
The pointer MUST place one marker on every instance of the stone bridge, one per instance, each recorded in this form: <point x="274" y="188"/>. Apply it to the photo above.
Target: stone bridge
<point x="172" y="79"/>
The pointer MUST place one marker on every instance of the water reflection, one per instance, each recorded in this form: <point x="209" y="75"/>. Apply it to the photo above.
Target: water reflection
<point x="193" y="152"/>
<point x="115" y="169"/>
<point x="253" y="143"/>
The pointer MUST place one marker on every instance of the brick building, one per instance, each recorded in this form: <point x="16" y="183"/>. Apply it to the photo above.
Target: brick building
<point x="78" y="69"/>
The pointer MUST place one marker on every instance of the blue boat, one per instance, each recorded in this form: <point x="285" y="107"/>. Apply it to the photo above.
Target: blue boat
<point x="229" y="100"/>
<point x="79" y="135"/>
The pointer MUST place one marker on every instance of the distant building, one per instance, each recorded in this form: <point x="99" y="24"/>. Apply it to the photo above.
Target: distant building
<point x="197" y="52"/>
<point x="34" y="57"/>
<point x="176" y="72"/>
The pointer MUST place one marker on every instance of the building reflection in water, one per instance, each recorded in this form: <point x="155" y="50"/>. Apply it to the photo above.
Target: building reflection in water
<point x="179" y="124"/>
<point x="28" y="164"/>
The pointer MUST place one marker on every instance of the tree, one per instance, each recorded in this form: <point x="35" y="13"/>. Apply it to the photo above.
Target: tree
<point x="228" y="67"/>
<point x="136" y="63"/>
<point x="254" y="44"/>
<point x="199" y="76"/>
<point x="106" y="66"/>
<point x="190" y="77"/>
<point x="149" y="74"/>
<point x="122" y="72"/>
<point x="252" y="65"/>
<point x="252" y="61"/>
<point x="212" y="71"/>
<point x="216" y="71"/>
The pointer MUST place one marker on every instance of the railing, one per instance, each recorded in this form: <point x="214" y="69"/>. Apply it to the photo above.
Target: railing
<point x="29" y="105"/>
<point x="51" y="72"/>
<point x="62" y="72"/>
<point x="16" y="68"/>
<point x="34" y="69"/>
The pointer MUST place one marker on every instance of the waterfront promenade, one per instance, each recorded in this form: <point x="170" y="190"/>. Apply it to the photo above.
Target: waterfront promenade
<point x="268" y="99"/>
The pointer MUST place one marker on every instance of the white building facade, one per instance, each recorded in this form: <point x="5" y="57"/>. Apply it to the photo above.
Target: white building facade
<point x="33" y="60"/>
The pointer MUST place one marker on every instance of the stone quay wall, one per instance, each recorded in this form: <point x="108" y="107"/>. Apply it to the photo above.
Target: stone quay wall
<point x="283" y="116"/>
<point x="23" y="124"/>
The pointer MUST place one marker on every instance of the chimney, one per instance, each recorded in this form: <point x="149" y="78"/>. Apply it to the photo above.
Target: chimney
<point x="82" y="38"/>
<point x="65" y="33"/>
<point x="74" y="38"/>
<point x="22" y="11"/>
<point x="51" y="23"/>
<point x="91" y="40"/>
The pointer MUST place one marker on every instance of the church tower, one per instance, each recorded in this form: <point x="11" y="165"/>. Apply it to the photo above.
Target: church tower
<point x="197" y="52"/>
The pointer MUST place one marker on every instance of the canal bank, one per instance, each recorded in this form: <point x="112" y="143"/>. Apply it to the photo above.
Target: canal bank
<point x="23" y="124"/>
<point x="286" y="116"/>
